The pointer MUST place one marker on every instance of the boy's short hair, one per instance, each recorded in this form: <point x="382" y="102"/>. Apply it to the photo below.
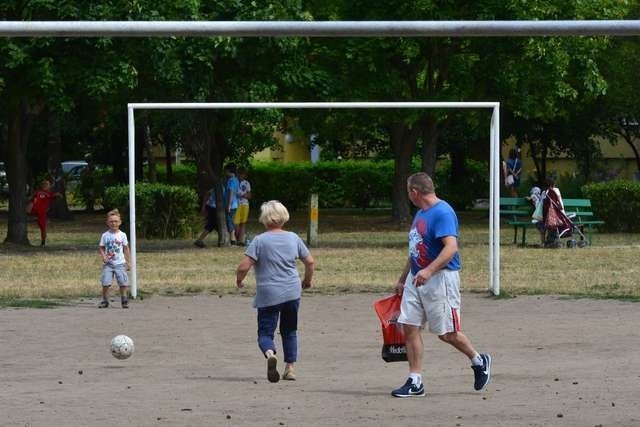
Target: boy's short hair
<point x="230" y="167"/>
<point x="273" y="213"/>
<point x="113" y="212"/>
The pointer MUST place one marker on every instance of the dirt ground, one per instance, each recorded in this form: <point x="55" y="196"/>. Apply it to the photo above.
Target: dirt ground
<point x="557" y="362"/>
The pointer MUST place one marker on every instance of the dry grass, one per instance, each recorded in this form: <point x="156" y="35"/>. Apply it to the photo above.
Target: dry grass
<point x="357" y="253"/>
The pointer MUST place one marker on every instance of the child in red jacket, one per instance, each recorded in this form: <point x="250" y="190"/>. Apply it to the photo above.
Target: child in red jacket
<point x="38" y="206"/>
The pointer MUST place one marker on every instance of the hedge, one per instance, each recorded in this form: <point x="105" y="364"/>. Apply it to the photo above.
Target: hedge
<point x="617" y="203"/>
<point x="164" y="211"/>
<point x="347" y="184"/>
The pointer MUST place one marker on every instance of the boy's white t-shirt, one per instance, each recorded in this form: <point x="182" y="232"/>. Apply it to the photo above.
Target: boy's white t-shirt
<point x="244" y="188"/>
<point x="114" y="244"/>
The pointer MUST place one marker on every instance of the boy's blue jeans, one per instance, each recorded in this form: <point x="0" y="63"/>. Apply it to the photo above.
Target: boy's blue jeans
<point x="267" y="322"/>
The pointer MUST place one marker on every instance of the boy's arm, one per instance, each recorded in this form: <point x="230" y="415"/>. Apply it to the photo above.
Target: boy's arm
<point x="127" y="256"/>
<point x="230" y="201"/>
<point x="103" y="254"/>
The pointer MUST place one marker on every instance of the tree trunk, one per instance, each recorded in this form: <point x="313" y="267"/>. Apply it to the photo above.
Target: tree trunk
<point x="629" y="139"/>
<point x="59" y="206"/>
<point x="208" y="148"/>
<point x="139" y="150"/>
<point x="458" y="168"/>
<point x="19" y="127"/>
<point x="119" y="153"/>
<point x="430" y="135"/>
<point x="148" y="145"/>
<point x="168" y="163"/>
<point x="403" y="142"/>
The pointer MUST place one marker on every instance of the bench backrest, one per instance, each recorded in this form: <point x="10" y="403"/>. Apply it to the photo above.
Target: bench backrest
<point x="580" y="207"/>
<point x="515" y="207"/>
<point x="518" y="207"/>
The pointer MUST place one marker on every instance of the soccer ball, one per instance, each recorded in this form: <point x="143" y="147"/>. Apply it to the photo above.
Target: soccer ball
<point x="121" y="347"/>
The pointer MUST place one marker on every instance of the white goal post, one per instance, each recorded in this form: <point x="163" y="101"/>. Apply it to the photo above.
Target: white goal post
<point x="494" y="164"/>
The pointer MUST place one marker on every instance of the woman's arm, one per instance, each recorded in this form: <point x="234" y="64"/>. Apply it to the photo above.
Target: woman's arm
<point x="242" y="270"/>
<point x="308" y="271"/>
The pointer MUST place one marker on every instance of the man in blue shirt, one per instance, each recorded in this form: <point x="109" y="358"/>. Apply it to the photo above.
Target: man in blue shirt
<point x="430" y="286"/>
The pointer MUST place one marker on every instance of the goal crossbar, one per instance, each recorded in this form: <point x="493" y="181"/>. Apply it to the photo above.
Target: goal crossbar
<point x="520" y="28"/>
<point x="494" y="169"/>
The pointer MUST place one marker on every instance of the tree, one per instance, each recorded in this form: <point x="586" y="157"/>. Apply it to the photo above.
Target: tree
<point x="619" y="114"/>
<point x="30" y="83"/>
<point x="399" y="69"/>
<point x="547" y="85"/>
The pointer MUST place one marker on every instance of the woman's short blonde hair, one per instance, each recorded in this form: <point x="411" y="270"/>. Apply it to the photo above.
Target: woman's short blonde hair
<point x="273" y="213"/>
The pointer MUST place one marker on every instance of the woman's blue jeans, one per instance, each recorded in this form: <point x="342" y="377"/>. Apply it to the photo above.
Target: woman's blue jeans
<point x="267" y="322"/>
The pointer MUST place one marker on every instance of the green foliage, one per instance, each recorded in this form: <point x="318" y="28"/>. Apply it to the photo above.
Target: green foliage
<point x="360" y="184"/>
<point x="617" y="203"/>
<point x="92" y="186"/>
<point x="288" y="182"/>
<point x="347" y="184"/>
<point x="162" y="211"/>
<point x="184" y="175"/>
<point x="366" y="184"/>
<point x="462" y="194"/>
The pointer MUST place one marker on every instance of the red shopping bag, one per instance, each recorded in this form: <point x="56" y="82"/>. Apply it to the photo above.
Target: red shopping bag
<point x="393" y="343"/>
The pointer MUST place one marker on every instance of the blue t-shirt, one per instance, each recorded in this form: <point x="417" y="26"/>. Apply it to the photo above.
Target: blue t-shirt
<point x="427" y="231"/>
<point x="514" y="166"/>
<point x="277" y="278"/>
<point x="232" y="185"/>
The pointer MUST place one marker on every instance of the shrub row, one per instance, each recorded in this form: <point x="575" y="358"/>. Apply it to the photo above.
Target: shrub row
<point x="346" y="184"/>
<point x="356" y="184"/>
<point x="164" y="211"/>
<point x="170" y="210"/>
<point x="617" y="203"/>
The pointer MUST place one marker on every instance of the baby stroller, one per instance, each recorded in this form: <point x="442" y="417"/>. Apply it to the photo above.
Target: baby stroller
<point x="558" y="225"/>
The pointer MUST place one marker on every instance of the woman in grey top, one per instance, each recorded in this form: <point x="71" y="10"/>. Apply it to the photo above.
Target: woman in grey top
<point x="273" y="255"/>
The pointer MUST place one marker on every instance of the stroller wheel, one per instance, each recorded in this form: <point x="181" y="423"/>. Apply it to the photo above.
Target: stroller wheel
<point x="582" y="243"/>
<point x="571" y="243"/>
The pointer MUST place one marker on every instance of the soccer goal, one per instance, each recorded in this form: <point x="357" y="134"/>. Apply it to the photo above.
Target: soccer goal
<point x="494" y="164"/>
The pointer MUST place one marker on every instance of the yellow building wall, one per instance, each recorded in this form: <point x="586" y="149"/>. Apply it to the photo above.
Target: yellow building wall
<point x="291" y="148"/>
<point x="616" y="159"/>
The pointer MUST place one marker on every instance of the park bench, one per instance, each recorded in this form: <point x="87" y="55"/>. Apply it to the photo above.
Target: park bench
<point x="518" y="210"/>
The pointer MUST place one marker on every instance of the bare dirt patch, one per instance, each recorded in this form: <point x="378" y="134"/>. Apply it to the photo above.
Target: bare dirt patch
<point x="556" y="362"/>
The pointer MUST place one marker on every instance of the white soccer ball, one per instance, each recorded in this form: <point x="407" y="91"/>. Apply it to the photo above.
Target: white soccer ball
<point x="121" y="347"/>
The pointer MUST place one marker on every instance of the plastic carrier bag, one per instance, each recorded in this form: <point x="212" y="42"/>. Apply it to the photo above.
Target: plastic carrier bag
<point x="393" y="345"/>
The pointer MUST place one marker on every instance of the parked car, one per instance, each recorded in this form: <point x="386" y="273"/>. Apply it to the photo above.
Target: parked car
<point x="72" y="171"/>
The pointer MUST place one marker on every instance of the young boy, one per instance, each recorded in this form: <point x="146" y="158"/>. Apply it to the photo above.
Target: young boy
<point x="38" y="206"/>
<point x="209" y="211"/>
<point x="114" y="249"/>
<point x="230" y="198"/>
<point x="242" y="214"/>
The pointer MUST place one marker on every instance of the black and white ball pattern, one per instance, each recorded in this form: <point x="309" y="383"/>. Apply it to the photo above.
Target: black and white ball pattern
<point x="122" y="347"/>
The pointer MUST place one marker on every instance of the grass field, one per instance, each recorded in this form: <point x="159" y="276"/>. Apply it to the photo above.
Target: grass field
<point x="358" y="252"/>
